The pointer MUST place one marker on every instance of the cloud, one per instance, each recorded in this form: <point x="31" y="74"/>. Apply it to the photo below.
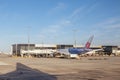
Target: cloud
<point x="77" y="12"/>
<point x="58" y="7"/>
<point x="56" y="28"/>
<point x="53" y="29"/>
<point x="110" y="26"/>
<point x="92" y="7"/>
<point x="81" y="12"/>
<point x="70" y="19"/>
<point x="110" y="23"/>
<point x="115" y="26"/>
<point x="107" y="31"/>
<point x="113" y="23"/>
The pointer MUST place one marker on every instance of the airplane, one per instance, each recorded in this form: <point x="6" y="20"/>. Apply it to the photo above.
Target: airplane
<point x="93" y="52"/>
<point x="74" y="52"/>
<point x="82" y="50"/>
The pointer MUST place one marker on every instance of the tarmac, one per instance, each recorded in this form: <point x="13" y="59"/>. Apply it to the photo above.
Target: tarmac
<point x="85" y="68"/>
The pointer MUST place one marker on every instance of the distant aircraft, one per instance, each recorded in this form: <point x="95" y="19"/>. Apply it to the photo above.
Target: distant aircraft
<point x="82" y="50"/>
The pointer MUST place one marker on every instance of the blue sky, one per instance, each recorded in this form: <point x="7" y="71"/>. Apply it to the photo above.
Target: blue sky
<point x="54" y="21"/>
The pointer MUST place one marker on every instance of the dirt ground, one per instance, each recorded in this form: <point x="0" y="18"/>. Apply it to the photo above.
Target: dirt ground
<point x="86" y="68"/>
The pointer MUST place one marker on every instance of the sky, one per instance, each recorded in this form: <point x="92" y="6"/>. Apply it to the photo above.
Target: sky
<point x="59" y="22"/>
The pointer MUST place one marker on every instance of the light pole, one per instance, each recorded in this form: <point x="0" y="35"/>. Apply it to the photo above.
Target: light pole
<point x="16" y="49"/>
<point x="74" y="36"/>
<point x="28" y="39"/>
<point x="42" y="41"/>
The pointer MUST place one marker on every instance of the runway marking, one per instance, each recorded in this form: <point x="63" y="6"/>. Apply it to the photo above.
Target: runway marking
<point x="3" y="63"/>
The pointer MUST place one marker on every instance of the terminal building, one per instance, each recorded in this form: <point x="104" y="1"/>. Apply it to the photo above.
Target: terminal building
<point x="16" y="48"/>
<point x="110" y="49"/>
<point x="40" y="49"/>
<point x="21" y="49"/>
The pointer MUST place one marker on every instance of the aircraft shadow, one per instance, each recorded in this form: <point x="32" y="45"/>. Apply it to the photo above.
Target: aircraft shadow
<point x="24" y="72"/>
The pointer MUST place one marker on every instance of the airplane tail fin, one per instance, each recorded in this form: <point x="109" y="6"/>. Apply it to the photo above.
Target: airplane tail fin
<point x="87" y="45"/>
